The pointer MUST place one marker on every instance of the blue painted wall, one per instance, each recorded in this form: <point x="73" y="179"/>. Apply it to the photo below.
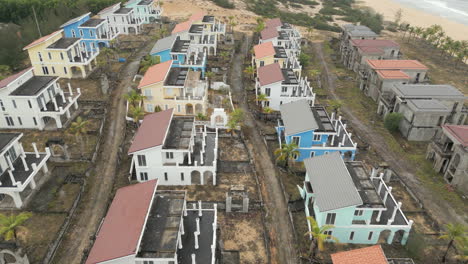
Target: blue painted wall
<point x="164" y="55"/>
<point x="306" y="144"/>
<point x="89" y="34"/>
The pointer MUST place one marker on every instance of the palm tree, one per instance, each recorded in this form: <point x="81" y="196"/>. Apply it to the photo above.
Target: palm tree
<point x="209" y="75"/>
<point x="314" y="74"/>
<point x="79" y="128"/>
<point x="318" y="236"/>
<point x="260" y="25"/>
<point x="261" y="98"/>
<point x="286" y="152"/>
<point x="267" y="110"/>
<point x="224" y="54"/>
<point x="463" y="252"/>
<point x="201" y="116"/>
<point x="137" y="114"/>
<point x="454" y="233"/>
<point x="147" y="62"/>
<point x="336" y="105"/>
<point x="10" y="224"/>
<point x="134" y="97"/>
<point x="250" y="71"/>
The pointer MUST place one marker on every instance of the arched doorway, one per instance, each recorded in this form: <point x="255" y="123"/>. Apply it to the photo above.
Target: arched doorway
<point x="195" y="177"/>
<point x="383" y="237"/>
<point x="102" y="45"/>
<point x="348" y="156"/>
<point x="219" y="120"/>
<point x="198" y="109"/>
<point x="208" y="178"/>
<point x="189" y="109"/>
<point x="399" y="236"/>
<point x="76" y="72"/>
<point x="49" y="122"/>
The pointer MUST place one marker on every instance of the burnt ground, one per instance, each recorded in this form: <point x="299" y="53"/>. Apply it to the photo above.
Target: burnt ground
<point x="280" y="229"/>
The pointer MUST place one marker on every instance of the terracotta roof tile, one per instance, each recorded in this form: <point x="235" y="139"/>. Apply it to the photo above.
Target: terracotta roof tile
<point x="459" y="132"/>
<point x="269" y="33"/>
<point x="152" y="131"/>
<point x="156" y="73"/>
<point x="183" y="26"/>
<point x="270" y="74"/>
<point x="122" y="227"/>
<point x="13" y="77"/>
<point x="274" y="22"/>
<point x="264" y="49"/>
<point x="40" y="40"/>
<point x="396" y="64"/>
<point x="392" y="74"/>
<point x="197" y="16"/>
<point x="367" y="255"/>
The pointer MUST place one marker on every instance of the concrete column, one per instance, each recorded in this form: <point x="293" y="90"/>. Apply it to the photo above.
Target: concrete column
<point x="10" y="164"/>
<point x="55" y="104"/>
<point x="214" y="174"/>
<point x="380" y="188"/>
<point x="390" y="238"/>
<point x="196" y="239"/>
<point x="198" y="224"/>
<point x="200" y="209"/>
<point x="25" y="164"/>
<point x="395" y="209"/>
<point x="182" y="229"/>
<point x="58" y="121"/>
<point x="12" y="178"/>
<point x="386" y="194"/>
<point x="193" y="259"/>
<point x="33" y="184"/>
<point x="179" y="235"/>
<point x="63" y="95"/>
<point x="185" y="208"/>
<point x="245" y="205"/>
<point x="228" y="203"/>
<point x="67" y="113"/>
<point x="16" y="199"/>
<point x="70" y="90"/>
<point x="44" y="168"/>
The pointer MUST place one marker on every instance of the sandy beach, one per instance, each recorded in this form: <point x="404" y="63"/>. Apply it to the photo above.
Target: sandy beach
<point x="416" y="17"/>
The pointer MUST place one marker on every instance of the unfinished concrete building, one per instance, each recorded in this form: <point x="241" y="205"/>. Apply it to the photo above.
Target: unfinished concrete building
<point x="449" y="155"/>
<point x="424" y="108"/>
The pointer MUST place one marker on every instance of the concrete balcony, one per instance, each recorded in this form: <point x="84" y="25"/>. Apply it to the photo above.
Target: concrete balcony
<point x="84" y="57"/>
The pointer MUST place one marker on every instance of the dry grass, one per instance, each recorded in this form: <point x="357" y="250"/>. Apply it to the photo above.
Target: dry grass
<point x="231" y="149"/>
<point x="244" y="233"/>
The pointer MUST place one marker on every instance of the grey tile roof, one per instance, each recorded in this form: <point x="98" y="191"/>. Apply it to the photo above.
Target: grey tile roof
<point x="163" y="44"/>
<point x="332" y="184"/>
<point x="298" y="117"/>
<point x="74" y="20"/>
<point x="427" y="105"/>
<point x="6" y="138"/>
<point x="34" y="85"/>
<point x="427" y="90"/>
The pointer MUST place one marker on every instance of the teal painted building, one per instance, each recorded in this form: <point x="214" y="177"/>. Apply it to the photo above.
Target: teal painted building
<point x="359" y="205"/>
<point x="313" y="131"/>
<point x="149" y="11"/>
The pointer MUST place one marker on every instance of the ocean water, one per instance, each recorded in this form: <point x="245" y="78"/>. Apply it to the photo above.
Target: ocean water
<point x="455" y="10"/>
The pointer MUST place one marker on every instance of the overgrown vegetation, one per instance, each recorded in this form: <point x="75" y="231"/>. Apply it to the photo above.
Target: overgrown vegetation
<point x="20" y="27"/>
<point x="224" y="3"/>
<point x="392" y="121"/>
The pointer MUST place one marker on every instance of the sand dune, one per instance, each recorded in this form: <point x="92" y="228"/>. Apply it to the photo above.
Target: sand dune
<point x="416" y="17"/>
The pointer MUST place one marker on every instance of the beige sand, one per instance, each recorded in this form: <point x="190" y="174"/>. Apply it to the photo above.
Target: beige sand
<point x="416" y="17"/>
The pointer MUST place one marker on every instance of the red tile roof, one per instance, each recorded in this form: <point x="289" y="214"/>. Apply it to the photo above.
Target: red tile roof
<point x="122" y="227"/>
<point x="156" y="73"/>
<point x="459" y="132"/>
<point x="374" y="43"/>
<point x="269" y="33"/>
<point x="13" y="77"/>
<point x="392" y="74"/>
<point x="40" y="40"/>
<point x="264" y="49"/>
<point x="152" y="131"/>
<point x="274" y="22"/>
<point x="367" y="255"/>
<point x="270" y="74"/>
<point x="197" y="16"/>
<point x="371" y="50"/>
<point x="396" y="64"/>
<point x="183" y="26"/>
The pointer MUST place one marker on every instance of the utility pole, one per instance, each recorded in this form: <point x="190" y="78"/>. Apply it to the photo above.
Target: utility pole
<point x="37" y="24"/>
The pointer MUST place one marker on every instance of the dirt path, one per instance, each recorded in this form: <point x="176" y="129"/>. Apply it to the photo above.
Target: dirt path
<point x="93" y="206"/>
<point x="281" y="232"/>
<point x="441" y="210"/>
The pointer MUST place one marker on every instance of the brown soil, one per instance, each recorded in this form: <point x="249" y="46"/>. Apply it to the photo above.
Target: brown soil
<point x="231" y="149"/>
<point x="244" y="233"/>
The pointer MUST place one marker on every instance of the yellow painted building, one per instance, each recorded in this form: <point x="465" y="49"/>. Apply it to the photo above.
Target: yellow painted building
<point x="266" y="54"/>
<point x="55" y="55"/>
<point x="177" y="88"/>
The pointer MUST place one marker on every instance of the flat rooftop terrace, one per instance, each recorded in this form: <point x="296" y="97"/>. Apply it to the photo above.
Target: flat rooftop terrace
<point x="180" y="133"/>
<point x="208" y="19"/>
<point x="180" y="46"/>
<point x="289" y="77"/>
<point x="162" y="227"/>
<point x="364" y="186"/>
<point x="34" y="85"/>
<point x="176" y="77"/>
<point x="196" y="29"/>
<point x="280" y="52"/>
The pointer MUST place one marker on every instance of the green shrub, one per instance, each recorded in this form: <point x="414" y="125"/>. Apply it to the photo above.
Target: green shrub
<point x="224" y="3"/>
<point x="392" y="121"/>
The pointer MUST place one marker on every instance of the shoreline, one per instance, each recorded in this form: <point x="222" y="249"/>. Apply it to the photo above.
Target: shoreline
<point x="416" y="17"/>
